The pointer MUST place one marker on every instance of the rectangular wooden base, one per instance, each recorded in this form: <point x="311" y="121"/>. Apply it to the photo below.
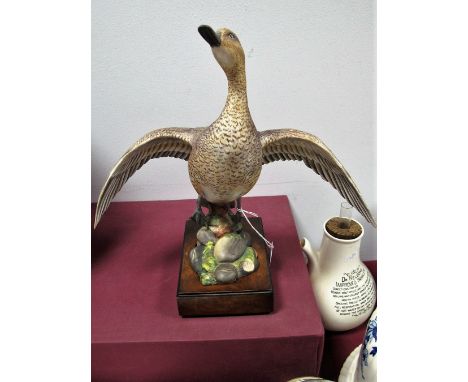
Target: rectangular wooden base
<point x="252" y="294"/>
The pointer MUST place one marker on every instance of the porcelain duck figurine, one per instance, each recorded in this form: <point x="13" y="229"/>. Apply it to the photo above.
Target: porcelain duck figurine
<point x="225" y="159"/>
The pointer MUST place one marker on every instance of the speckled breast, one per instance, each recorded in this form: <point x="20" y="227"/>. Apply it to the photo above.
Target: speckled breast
<point x="225" y="165"/>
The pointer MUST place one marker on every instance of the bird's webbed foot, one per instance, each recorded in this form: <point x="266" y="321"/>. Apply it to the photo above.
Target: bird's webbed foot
<point x="237" y="217"/>
<point x="198" y="216"/>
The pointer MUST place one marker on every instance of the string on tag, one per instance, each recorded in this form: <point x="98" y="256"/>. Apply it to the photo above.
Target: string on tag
<point x="268" y="243"/>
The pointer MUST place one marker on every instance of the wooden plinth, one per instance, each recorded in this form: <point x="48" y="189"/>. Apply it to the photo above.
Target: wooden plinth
<point x="252" y="294"/>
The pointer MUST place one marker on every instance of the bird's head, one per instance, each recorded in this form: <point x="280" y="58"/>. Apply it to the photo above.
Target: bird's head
<point x="226" y="48"/>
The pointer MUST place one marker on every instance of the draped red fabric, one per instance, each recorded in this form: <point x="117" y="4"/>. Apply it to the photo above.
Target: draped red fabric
<point x="137" y="334"/>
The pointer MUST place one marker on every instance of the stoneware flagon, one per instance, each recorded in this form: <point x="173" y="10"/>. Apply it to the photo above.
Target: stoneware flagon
<point x="343" y="286"/>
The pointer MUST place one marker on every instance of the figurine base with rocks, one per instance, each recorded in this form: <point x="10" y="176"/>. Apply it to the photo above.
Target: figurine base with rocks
<point x="223" y="253"/>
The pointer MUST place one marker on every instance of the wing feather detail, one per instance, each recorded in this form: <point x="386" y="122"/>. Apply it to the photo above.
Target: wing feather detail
<point x="169" y="142"/>
<point x="289" y="144"/>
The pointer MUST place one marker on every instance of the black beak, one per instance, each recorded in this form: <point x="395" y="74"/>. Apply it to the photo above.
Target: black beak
<point x="209" y="35"/>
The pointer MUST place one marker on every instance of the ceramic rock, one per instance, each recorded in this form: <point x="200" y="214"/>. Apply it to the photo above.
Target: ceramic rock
<point x="230" y="247"/>
<point x="246" y="236"/>
<point x="204" y="235"/>
<point x="247" y="266"/>
<point x="196" y="255"/>
<point x="247" y="263"/>
<point x="225" y="273"/>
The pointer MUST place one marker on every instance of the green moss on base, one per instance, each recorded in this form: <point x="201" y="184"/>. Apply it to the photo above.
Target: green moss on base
<point x="207" y="279"/>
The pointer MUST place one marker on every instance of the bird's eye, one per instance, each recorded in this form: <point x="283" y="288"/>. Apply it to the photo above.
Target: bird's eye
<point x="232" y="35"/>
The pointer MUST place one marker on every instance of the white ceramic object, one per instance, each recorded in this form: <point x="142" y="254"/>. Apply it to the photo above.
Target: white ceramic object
<point x="367" y="366"/>
<point x="343" y="286"/>
<point x="308" y="379"/>
<point x="348" y="371"/>
<point x="361" y="364"/>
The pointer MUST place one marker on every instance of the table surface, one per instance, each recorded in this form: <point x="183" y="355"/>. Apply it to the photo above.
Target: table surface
<point x="135" y="263"/>
<point x="145" y="309"/>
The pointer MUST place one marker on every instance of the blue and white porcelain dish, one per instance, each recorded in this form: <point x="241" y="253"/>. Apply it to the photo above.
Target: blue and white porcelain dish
<point x="361" y="364"/>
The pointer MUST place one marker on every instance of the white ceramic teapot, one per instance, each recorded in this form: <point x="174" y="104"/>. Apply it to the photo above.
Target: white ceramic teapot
<point x="343" y="286"/>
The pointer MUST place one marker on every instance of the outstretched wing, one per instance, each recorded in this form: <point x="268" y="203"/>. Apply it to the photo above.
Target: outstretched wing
<point x="289" y="144"/>
<point x="170" y="142"/>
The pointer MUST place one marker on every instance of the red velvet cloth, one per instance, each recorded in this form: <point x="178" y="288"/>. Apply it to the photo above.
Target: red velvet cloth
<point x="137" y="334"/>
<point x="338" y="345"/>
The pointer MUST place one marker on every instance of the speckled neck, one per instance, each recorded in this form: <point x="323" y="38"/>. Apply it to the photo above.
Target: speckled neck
<point x="236" y="102"/>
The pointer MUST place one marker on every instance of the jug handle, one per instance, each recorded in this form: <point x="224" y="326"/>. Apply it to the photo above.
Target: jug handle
<point x="312" y="255"/>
